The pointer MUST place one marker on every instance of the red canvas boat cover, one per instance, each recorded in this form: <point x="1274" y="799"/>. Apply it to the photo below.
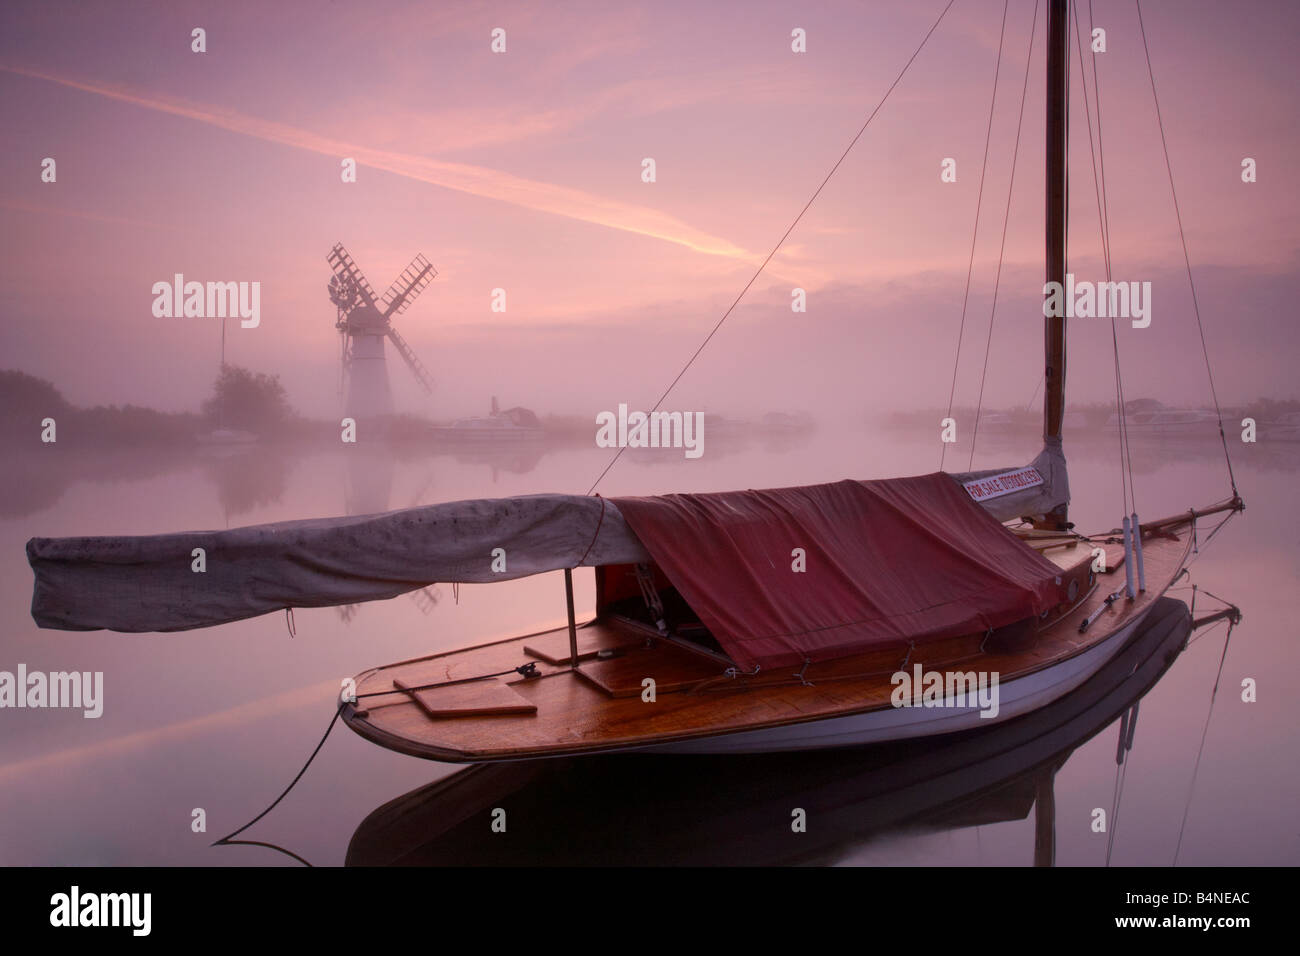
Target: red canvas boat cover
<point x="887" y="562"/>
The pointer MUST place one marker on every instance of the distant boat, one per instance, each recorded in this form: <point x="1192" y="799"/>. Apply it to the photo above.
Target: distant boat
<point x="1285" y="427"/>
<point x="1148" y="417"/>
<point x="787" y="422"/>
<point x="1075" y="421"/>
<point x="512" y="424"/>
<point x="222" y="440"/>
<point x="996" y="422"/>
<point x="225" y="443"/>
<point x="226" y="436"/>
<point x="717" y="427"/>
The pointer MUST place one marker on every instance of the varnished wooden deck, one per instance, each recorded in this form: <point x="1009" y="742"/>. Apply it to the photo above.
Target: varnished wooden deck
<point x="598" y="707"/>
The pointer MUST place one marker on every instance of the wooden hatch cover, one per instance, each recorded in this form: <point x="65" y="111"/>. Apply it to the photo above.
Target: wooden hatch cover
<point x="480" y="698"/>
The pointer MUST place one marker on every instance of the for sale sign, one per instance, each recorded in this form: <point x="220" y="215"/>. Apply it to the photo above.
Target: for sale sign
<point x="995" y="486"/>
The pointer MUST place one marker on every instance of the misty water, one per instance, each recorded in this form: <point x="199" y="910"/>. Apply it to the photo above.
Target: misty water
<point x="222" y="718"/>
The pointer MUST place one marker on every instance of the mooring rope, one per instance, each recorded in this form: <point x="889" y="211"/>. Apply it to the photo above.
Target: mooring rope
<point x="229" y="839"/>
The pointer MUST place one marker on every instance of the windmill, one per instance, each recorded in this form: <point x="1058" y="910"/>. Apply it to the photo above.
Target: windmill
<point x="364" y="321"/>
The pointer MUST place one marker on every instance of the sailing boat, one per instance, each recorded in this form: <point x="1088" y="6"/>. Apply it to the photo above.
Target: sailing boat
<point x="974" y="778"/>
<point x="800" y="618"/>
<point x="222" y="440"/>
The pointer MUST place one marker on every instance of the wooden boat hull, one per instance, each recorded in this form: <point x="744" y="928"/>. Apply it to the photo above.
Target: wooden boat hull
<point x="1016" y="697"/>
<point x="599" y="708"/>
<point x="720" y="810"/>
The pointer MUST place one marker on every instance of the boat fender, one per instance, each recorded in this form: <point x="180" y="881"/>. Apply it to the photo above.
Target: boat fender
<point x="1128" y="558"/>
<point x="1137" y="551"/>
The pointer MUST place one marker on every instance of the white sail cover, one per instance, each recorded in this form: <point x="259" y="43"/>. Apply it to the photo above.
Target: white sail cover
<point x="148" y="583"/>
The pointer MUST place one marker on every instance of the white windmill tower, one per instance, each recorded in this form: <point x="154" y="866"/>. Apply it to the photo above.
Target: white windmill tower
<point x="364" y="322"/>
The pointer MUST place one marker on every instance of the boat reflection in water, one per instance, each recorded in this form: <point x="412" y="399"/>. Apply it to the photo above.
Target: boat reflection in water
<point x="651" y="809"/>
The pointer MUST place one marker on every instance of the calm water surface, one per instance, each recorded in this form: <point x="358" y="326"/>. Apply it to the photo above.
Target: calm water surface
<point x="221" y="719"/>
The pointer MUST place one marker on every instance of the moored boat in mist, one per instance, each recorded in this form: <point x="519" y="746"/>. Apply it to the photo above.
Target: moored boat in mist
<point x="786" y="619"/>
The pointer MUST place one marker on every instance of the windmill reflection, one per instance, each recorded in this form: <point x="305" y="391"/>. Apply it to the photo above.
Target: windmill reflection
<point x="368" y="489"/>
<point x="247" y="477"/>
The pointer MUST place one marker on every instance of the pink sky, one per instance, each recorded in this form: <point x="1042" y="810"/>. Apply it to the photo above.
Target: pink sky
<point x="522" y="171"/>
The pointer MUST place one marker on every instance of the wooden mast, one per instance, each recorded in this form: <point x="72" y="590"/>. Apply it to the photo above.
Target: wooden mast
<point x="1058" y="103"/>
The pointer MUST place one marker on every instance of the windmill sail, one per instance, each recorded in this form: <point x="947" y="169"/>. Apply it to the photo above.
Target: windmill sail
<point x="342" y="263"/>
<point x="412" y="360"/>
<point x="399" y="296"/>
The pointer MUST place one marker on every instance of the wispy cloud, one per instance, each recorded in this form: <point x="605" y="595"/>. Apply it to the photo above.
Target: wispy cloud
<point x="450" y="129"/>
<point x="79" y="214"/>
<point x="475" y="180"/>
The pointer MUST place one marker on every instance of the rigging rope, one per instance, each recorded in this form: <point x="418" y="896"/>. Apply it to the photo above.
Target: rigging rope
<point x="1127" y="726"/>
<point x="1209" y="629"/>
<point x="1182" y="235"/>
<point x="1201" y="749"/>
<point x="1101" y="155"/>
<point x="1115" y="794"/>
<point x="1096" y="155"/>
<point x="1196" y="551"/>
<point x="618" y="454"/>
<point x="1006" y="218"/>
<point x="1126" y="447"/>
<point x="979" y="202"/>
